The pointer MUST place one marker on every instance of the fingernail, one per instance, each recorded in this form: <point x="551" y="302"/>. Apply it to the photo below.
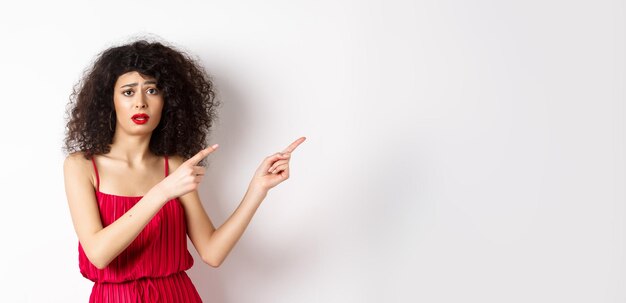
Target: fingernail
<point x="215" y="145"/>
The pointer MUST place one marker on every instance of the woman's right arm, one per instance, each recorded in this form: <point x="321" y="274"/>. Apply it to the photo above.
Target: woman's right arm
<point x="102" y="245"/>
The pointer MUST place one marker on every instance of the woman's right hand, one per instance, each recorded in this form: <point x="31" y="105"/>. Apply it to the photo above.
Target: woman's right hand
<point x="186" y="177"/>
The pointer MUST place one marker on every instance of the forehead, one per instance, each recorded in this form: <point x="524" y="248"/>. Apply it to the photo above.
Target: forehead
<point x="132" y="77"/>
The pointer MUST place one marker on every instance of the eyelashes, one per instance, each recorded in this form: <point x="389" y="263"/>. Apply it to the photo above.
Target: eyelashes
<point x="156" y="91"/>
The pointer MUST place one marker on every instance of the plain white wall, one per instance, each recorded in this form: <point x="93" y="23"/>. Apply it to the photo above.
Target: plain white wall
<point x="457" y="151"/>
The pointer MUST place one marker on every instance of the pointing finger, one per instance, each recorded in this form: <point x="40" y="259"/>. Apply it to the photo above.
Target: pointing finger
<point x="202" y="154"/>
<point x="293" y="145"/>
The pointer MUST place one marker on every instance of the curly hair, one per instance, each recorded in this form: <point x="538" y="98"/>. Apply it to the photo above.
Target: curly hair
<point x="189" y="108"/>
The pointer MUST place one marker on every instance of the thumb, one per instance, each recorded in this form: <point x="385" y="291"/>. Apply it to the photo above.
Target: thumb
<point x="269" y="161"/>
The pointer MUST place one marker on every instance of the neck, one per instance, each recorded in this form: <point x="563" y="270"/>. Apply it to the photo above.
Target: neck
<point x="134" y="149"/>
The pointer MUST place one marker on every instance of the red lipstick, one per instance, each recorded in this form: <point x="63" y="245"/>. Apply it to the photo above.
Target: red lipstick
<point x="140" y="118"/>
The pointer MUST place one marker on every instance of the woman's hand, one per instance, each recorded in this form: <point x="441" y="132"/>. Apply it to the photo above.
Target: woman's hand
<point x="186" y="177"/>
<point x="274" y="169"/>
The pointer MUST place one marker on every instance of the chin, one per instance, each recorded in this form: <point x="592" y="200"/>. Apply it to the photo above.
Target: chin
<point x="140" y="131"/>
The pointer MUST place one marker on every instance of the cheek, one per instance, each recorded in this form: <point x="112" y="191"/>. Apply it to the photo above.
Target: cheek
<point x="120" y="110"/>
<point x="119" y="104"/>
<point x="158" y="112"/>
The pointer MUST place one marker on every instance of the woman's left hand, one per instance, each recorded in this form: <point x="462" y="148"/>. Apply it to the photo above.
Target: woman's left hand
<point x="275" y="168"/>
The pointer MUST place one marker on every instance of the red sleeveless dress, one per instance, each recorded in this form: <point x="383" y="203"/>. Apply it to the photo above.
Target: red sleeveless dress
<point x="152" y="268"/>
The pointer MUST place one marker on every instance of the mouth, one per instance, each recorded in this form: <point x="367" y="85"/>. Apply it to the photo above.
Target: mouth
<point x="140" y="118"/>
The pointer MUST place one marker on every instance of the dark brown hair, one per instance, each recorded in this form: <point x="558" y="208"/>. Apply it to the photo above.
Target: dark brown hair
<point x="189" y="108"/>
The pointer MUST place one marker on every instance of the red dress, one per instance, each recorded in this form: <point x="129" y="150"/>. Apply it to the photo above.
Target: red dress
<point x="152" y="268"/>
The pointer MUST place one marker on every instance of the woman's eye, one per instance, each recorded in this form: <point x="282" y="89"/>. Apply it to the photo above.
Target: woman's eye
<point x="153" y="89"/>
<point x="127" y="91"/>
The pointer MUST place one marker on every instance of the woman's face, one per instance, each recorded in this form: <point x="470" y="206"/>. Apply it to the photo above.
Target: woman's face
<point x="134" y="94"/>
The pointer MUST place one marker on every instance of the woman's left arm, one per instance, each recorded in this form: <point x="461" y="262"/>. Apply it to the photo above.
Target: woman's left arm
<point x="213" y="245"/>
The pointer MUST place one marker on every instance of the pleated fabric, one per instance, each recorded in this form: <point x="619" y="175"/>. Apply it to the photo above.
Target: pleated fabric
<point x="152" y="268"/>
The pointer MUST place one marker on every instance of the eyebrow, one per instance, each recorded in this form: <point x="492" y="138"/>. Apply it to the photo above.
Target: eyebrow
<point x="135" y="84"/>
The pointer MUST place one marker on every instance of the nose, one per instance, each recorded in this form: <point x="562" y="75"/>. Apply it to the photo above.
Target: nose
<point x="141" y="102"/>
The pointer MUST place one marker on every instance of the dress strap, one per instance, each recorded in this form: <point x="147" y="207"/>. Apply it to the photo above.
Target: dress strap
<point x="166" y="166"/>
<point x="96" y="169"/>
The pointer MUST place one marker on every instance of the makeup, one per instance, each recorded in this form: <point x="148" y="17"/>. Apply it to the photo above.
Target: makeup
<point x="140" y="118"/>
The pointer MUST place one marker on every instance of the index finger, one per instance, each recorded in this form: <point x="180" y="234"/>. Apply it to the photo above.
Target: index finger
<point x="202" y="154"/>
<point x="293" y="145"/>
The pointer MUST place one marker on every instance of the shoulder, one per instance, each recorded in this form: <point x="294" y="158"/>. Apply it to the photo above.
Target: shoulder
<point x="175" y="161"/>
<point x="76" y="160"/>
<point x="77" y="166"/>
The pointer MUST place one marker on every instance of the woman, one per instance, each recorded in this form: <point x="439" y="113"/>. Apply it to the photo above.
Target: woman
<point x="137" y="126"/>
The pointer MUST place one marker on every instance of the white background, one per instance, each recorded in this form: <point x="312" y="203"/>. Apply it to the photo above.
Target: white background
<point x="457" y="151"/>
